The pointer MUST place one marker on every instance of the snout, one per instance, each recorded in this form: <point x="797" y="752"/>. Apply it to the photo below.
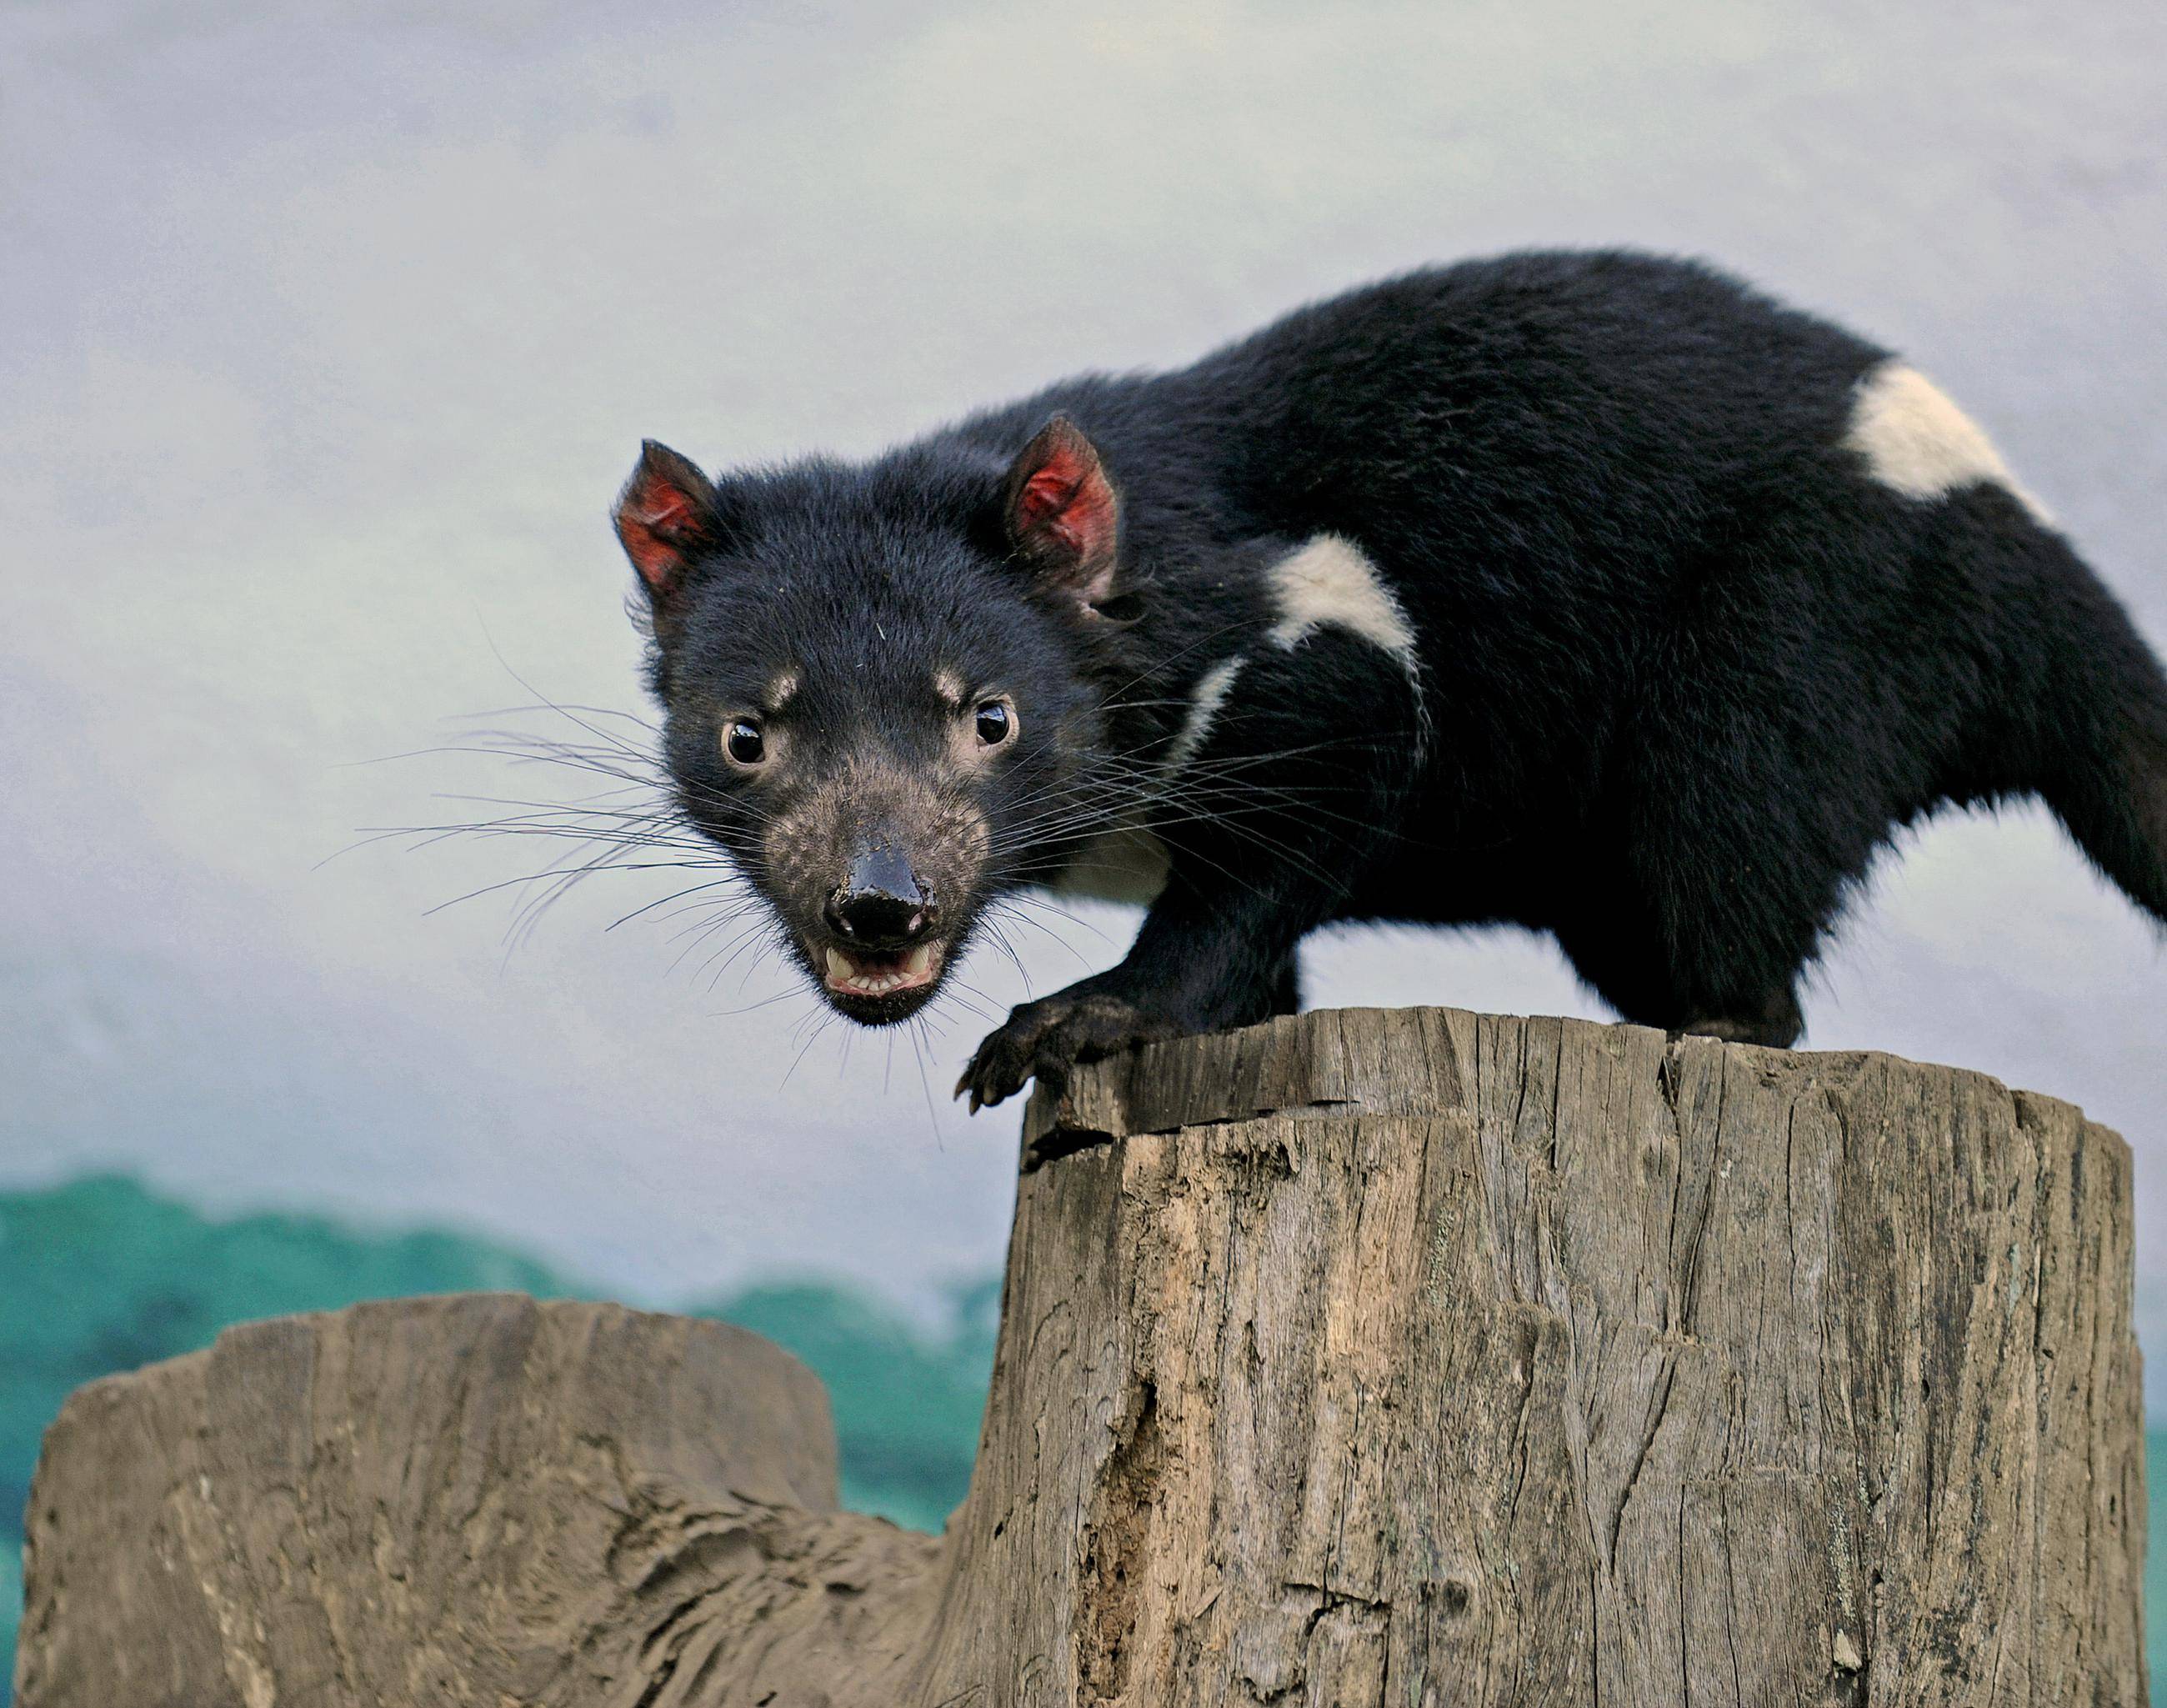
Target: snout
<point x="884" y="954"/>
<point x="882" y="905"/>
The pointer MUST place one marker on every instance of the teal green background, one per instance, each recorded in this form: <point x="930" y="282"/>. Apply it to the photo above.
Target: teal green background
<point x="101" y="1275"/>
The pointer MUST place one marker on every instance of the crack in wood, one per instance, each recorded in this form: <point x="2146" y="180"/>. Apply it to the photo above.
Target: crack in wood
<point x="1114" y="1552"/>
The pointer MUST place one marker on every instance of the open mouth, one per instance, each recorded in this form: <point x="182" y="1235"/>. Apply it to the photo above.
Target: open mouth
<point x="871" y="977"/>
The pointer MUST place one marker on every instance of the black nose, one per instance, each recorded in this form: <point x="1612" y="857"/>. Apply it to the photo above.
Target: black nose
<point x="881" y="905"/>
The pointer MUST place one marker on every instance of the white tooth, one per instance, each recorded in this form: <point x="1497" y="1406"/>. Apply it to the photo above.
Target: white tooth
<point x="919" y="959"/>
<point x="839" y="966"/>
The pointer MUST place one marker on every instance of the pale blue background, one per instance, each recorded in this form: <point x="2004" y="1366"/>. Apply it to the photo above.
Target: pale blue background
<point x="327" y="330"/>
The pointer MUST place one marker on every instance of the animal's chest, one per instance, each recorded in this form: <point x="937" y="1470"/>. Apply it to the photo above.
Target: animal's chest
<point x="1326" y="584"/>
<point x="1125" y="863"/>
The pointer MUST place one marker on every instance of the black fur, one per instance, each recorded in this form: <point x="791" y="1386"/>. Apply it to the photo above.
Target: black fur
<point x="1683" y="665"/>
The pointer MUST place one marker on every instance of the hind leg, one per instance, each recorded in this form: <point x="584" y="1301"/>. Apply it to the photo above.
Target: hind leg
<point x="1768" y="754"/>
<point x="1713" y="878"/>
<point x="1772" y="1019"/>
<point x="1651" y="977"/>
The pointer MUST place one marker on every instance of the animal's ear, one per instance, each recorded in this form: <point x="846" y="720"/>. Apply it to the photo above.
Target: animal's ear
<point x="667" y="513"/>
<point x="1061" y="513"/>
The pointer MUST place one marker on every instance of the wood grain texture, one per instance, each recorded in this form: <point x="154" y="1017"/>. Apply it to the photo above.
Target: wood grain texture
<point x="1500" y="1360"/>
<point x="1408" y="1359"/>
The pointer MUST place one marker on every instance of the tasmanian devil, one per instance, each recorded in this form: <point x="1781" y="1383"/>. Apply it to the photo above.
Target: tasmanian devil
<point x="1593" y="593"/>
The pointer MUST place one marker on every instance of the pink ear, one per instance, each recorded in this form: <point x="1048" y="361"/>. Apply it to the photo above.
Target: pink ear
<point x="1063" y="515"/>
<point x="665" y="513"/>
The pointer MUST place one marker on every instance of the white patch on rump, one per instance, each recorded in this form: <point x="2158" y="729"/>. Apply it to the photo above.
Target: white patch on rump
<point x="1916" y="442"/>
<point x="1330" y="584"/>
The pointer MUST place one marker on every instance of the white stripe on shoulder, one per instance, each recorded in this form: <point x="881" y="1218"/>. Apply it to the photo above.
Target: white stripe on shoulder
<point x="1918" y="442"/>
<point x="1211" y="694"/>
<point x="1328" y="583"/>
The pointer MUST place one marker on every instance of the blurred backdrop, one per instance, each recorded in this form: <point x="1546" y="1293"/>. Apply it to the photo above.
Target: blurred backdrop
<point x="327" y="332"/>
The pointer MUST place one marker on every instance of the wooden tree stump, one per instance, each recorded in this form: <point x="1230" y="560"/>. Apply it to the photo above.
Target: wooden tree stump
<point x="1408" y="1358"/>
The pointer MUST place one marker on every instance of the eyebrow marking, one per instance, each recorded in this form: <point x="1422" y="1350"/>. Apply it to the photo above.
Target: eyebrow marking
<point x="950" y="687"/>
<point x="780" y="688"/>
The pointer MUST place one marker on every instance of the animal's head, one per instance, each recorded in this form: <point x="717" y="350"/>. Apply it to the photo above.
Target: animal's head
<point x="878" y="686"/>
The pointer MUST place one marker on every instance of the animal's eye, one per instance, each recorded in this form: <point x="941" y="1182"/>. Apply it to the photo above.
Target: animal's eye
<point x="743" y="741"/>
<point x="996" y="723"/>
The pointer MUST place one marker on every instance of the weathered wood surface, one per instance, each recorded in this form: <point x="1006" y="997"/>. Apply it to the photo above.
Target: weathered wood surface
<point x="477" y="1499"/>
<point x="1364" y="1358"/>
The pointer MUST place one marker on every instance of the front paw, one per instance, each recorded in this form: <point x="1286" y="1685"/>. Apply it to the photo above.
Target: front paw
<point x="1045" y="1039"/>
